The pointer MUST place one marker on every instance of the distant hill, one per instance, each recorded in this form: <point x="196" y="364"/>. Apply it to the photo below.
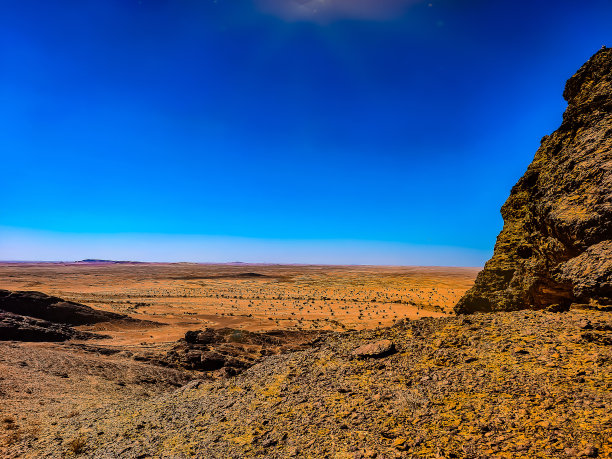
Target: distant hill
<point x="95" y="260"/>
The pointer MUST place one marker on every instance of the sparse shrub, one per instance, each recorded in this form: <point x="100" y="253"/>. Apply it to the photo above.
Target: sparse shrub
<point x="77" y="445"/>
<point x="9" y="423"/>
<point x="236" y="337"/>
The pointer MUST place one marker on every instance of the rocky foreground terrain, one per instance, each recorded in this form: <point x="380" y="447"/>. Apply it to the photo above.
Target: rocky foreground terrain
<point x="519" y="384"/>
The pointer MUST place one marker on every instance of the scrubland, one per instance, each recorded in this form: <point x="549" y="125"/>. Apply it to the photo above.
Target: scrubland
<point x="250" y="297"/>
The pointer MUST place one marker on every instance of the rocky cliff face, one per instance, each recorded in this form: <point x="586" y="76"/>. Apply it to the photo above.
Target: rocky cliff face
<point x="556" y="244"/>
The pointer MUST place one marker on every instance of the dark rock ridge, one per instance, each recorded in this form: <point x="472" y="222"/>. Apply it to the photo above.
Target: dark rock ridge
<point x="115" y="262"/>
<point x="35" y="316"/>
<point x="54" y="309"/>
<point x="555" y="247"/>
<point x="15" y="327"/>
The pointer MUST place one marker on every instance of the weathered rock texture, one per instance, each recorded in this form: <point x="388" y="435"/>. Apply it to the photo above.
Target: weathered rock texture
<point x="556" y="247"/>
<point x="523" y="384"/>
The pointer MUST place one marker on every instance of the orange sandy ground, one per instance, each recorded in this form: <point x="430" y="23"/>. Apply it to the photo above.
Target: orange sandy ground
<point x="254" y="297"/>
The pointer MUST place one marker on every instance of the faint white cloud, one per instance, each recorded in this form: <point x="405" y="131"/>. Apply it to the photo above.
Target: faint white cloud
<point x="324" y="11"/>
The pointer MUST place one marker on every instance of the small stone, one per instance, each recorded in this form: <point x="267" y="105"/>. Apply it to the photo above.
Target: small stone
<point x="268" y="443"/>
<point x="380" y="348"/>
<point x="589" y="451"/>
<point x="400" y="443"/>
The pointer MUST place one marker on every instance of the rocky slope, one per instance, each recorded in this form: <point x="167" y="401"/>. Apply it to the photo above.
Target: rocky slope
<point x="518" y="384"/>
<point x="42" y="383"/>
<point x="556" y="247"/>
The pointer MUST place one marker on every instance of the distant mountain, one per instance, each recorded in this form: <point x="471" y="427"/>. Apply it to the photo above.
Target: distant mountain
<point x="95" y="260"/>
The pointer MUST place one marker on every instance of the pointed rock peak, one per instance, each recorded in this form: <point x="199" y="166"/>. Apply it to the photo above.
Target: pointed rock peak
<point x="555" y="248"/>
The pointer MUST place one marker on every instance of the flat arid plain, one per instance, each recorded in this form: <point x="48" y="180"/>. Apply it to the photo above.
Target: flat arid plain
<point x="258" y="297"/>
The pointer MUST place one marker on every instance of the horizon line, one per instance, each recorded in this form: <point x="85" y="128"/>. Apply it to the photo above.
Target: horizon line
<point x="261" y="263"/>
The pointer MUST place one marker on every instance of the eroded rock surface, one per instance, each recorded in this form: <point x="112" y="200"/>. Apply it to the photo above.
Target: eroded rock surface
<point x="555" y="247"/>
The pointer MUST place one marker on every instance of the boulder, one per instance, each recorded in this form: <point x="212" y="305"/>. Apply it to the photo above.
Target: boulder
<point x="376" y="349"/>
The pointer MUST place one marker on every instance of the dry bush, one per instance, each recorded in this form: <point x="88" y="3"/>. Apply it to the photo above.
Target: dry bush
<point x="77" y="445"/>
<point x="9" y="423"/>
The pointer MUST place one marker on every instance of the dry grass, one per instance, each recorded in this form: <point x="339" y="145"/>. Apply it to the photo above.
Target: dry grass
<point x="77" y="445"/>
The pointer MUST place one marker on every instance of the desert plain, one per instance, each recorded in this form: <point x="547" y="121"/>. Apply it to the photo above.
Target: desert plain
<point x="186" y="296"/>
<point x="42" y="383"/>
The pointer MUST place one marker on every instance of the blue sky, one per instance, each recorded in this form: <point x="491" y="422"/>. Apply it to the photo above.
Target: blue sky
<point x="361" y="131"/>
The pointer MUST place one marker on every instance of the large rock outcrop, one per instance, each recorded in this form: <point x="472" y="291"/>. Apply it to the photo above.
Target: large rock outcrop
<point x="54" y="309"/>
<point x="15" y="327"/>
<point x="35" y="316"/>
<point x="233" y="350"/>
<point x="555" y="247"/>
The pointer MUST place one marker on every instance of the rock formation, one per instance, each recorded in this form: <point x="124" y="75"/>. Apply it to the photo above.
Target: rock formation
<point x="15" y="327"/>
<point x="54" y="309"/>
<point x="35" y="316"/>
<point x="233" y="350"/>
<point x="556" y="244"/>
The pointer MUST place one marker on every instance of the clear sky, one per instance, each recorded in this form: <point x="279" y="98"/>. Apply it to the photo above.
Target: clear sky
<point x="332" y="131"/>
